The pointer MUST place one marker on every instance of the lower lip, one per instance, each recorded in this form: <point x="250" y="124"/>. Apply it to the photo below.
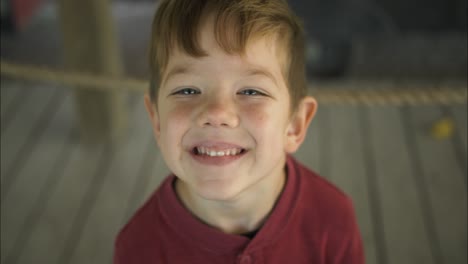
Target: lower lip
<point x="216" y="160"/>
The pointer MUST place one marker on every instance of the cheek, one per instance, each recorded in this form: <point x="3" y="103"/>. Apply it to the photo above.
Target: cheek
<point x="255" y="113"/>
<point x="175" y="117"/>
<point x="174" y="123"/>
<point x="266" y="119"/>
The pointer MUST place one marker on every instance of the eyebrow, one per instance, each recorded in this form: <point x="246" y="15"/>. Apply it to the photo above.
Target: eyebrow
<point x="176" y="70"/>
<point x="251" y="71"/>
<point x="260" y="71"/>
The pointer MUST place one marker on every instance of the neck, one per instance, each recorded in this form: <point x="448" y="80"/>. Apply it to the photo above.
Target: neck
<point x="244" y="213"/>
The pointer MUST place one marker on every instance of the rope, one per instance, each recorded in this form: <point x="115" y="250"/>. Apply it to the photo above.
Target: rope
<point x="74" y="79"/>
<point x="354" y="93"/>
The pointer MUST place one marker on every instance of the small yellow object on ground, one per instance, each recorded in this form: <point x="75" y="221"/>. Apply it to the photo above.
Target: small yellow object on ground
<point x="443" y="128"/>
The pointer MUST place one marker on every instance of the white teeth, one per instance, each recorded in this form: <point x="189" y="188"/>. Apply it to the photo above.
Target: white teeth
<point x="213" y="153"/>
<point x="201" y="150"/>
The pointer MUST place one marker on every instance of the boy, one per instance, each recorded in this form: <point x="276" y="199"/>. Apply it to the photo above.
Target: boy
<point x="228" y="105"/>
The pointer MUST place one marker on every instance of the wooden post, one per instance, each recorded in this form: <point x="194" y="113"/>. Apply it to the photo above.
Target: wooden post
<point x="90" y="45"/>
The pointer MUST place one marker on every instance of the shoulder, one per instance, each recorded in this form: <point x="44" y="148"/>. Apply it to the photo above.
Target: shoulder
<point x="327" y="214"/>
<point x="138" y="225"/>
<point x="142" y="230"/>
<point x="321" y="200"/>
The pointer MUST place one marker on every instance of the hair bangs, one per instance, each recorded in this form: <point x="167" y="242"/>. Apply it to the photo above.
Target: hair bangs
<point x="177" y="25"/>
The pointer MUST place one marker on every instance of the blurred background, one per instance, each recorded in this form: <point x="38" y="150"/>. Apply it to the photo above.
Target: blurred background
<point x="77" y="163"/>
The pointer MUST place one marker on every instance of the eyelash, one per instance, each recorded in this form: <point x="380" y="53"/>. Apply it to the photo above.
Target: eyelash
<point x="186" y="91"/>
<point x="192" y="91"/>
<point x="256" y="92"/>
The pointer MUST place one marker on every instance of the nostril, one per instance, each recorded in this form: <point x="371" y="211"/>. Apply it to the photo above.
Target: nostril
<point x="215" y="123"/>
<point x="218" y="117"/>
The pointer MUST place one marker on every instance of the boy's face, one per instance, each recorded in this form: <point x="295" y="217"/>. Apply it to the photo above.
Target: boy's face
<point x="222" y="122"/>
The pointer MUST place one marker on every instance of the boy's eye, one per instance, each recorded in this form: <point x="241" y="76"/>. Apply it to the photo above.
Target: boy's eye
<point x="251" y="92"/>
<point x="186" y="91"/>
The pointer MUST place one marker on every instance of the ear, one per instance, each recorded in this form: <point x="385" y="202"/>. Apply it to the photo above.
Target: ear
<point x="299" y="123"/>
<point x="153" y="115"/>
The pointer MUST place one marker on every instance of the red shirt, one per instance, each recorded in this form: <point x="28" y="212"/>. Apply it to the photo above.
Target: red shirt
<point x="312" y="222"/>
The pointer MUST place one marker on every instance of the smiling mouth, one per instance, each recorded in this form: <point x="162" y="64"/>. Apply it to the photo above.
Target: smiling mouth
<point x="209" y="152"/>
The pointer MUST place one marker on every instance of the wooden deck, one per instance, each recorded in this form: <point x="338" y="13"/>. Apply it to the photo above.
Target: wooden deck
<point x="64" y="203"/>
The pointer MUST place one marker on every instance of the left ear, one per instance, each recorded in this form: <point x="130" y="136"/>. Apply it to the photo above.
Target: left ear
<point x="299" y="123"/>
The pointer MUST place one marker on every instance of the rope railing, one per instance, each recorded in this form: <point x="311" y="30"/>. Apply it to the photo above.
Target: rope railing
<point x="72" y="79"/>
<point x="348" y="92"/>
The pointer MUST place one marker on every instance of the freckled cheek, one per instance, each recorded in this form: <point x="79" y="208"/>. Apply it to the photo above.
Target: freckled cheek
<point x="266" y="123"/>
<point x="260" y="115"/>
<point x="178" y="114"/>
<point x="175" y="121"/>
<point x="253" y="113"/>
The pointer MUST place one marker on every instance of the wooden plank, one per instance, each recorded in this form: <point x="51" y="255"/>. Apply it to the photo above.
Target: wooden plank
<point x="459" y="113"/>
<point x="11" y="102"/>
<point x="348" y="171"/>
<point x="442" y="176"/>
<point x="55" y="222"/>
<point x="95" y="242"/>
<point x="407" y="238"/>
<point x="23" y="151"/>
<point x="11" y="95"/>
<point x="156" y="173"/>
<point x="27" y="194"/>
<point x="459" y="139"/>
<point x="324" y="161"/>
<point x="23" y="127"/>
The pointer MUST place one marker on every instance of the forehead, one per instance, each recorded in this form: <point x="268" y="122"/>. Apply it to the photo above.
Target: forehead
<point x="260" y="57"/>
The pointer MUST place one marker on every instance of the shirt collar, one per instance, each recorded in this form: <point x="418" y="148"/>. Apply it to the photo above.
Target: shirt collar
<point x="189" y="227"/>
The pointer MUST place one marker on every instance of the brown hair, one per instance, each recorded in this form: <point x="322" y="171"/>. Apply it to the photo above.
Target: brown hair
<point x="236" y="22"/>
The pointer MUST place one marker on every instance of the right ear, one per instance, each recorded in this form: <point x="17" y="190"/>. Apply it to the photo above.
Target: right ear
<point x="153" y="115"/>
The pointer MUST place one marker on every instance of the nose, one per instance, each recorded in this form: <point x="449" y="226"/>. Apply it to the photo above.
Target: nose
<point x="218" y="113"/>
